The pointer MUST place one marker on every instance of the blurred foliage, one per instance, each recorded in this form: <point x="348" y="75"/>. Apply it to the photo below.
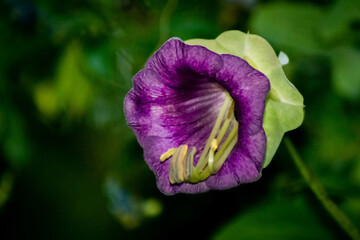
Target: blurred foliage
<point x="70" y="168"/>
<point x="291" y="214"/>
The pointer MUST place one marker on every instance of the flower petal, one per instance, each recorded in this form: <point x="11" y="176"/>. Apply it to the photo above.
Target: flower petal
<point x="176" y="100"/>
<point x="178" y="64"/>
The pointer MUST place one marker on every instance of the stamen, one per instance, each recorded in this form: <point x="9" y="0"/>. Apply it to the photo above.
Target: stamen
<point x="219" y="162"/>
<point x="213" y="148"/>
<point x="225" y="126"/>
<point x="226" y="148"/>
<point x="223" y="130"/>
<point x="168" y="154"/>
<point x="225" y="145"/>
<point x="189" y="166"/>
<point x="214" y="154"/>
<point x="176" y="174"/>
<point x="180" y="165"/>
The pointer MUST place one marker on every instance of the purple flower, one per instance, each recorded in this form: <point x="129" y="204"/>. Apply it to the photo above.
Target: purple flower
<point x="198" y="116"/>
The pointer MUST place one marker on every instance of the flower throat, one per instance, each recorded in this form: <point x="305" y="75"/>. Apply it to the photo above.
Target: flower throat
<point x="221" y="141"/>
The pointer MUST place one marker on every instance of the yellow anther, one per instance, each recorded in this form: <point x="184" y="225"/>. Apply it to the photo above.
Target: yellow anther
<point x="168" y="154"/>
<point x="214" y="144"/>
<point x="181" y="163"/>
<point x="213" y="147"/>
<point x="177" y="162"/>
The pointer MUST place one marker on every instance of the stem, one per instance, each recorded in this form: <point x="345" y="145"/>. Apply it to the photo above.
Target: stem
<point x="321" y="194"/>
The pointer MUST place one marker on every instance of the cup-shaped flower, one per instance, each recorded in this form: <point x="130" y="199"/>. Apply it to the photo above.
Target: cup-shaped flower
<point x="199" y="117"/>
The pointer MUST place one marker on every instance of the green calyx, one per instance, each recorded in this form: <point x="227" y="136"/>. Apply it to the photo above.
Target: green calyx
<point x="284" y="109"/>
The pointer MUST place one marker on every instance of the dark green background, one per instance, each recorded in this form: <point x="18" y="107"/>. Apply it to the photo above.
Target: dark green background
<point x="70" y="168"/>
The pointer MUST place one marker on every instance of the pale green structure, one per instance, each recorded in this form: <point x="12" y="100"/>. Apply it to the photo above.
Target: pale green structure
<point x="284" y="109"/>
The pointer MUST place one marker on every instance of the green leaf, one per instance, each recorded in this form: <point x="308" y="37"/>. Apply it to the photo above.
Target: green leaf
<point x="346" y="72"/>
<point x="292" y="25"/>
<point x="73" y="87"/>
<point x="70" y="92"/>
<point x="284" y="106"/>
<point x="46" y="100"/>
<point x="280" y="218"/>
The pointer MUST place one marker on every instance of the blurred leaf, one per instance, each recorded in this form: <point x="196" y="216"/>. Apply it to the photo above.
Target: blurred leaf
<point x="73" y="88"/>
<point x="346" y="72"/>
<point x="46" y="100"/>
<point x="71" y="92"/>
<point x="336" y="138"/>
<point x="332" y="146"/>
<point x="186" y="28"/>
<point x="292" y="26"/>
<point x="338" y="19"/>
<point x="101" y="61"/>
<point x="110" y="64"/>
<point x="6" y="186"/>
<point x="75" y="24"/>
<point x="279" y="218"/>
<point x="194" y="20"/>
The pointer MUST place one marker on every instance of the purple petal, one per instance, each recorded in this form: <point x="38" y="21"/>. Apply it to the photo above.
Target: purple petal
<point x="176" y="100"/>
<point x="179" y="65"/>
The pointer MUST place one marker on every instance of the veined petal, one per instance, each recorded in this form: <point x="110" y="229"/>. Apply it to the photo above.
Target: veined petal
<point x="177" y="100"/>
<point x="178" y="64"/>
